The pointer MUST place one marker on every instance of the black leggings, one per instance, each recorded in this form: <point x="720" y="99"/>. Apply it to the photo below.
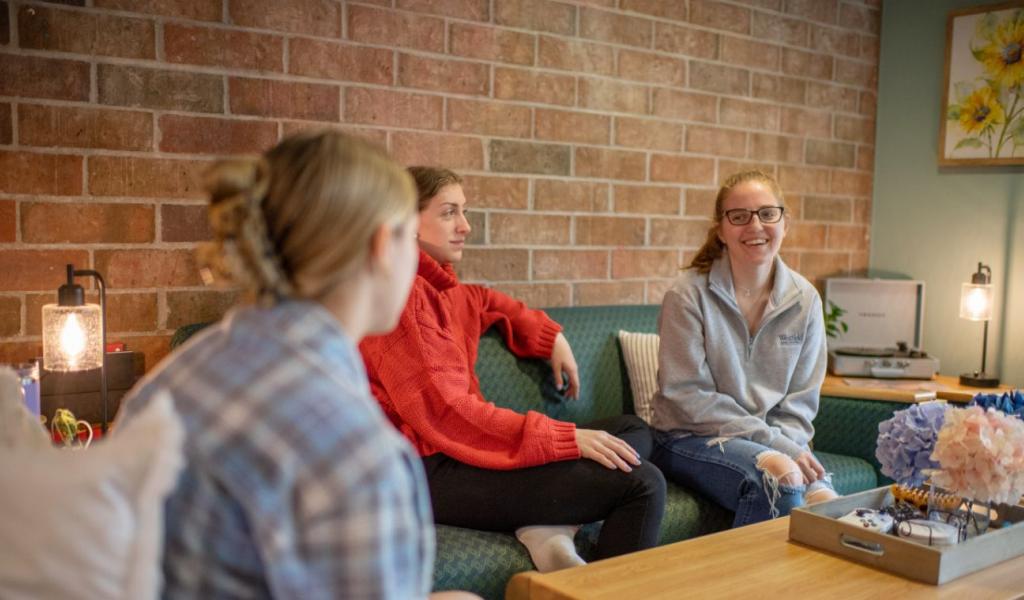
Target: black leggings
<point x="560" y="493"/>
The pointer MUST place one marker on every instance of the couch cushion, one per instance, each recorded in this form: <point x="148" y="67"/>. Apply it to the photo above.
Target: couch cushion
<point x="849" y="427"/>
<point x="640" y="353"/>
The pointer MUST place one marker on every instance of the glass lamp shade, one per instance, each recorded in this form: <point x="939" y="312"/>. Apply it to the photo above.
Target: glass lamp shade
<point x="976" y="302"/>
<point x="72" y="337"/>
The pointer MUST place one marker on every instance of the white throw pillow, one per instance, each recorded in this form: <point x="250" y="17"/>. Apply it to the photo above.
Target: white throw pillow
<point x="640" y="351"/>
<point x="85" y="523"/>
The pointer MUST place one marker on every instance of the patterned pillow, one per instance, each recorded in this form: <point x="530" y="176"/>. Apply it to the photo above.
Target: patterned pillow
<point x="640" y="352"/>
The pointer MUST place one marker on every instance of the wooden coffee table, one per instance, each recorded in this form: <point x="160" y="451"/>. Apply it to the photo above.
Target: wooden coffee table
<point x="755" y="561"/>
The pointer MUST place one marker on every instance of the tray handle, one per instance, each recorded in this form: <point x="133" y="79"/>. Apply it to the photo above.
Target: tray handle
<point x="861" y="546"/>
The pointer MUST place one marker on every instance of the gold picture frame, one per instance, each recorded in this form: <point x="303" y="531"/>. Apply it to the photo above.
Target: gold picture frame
<point x="983" y="100"/>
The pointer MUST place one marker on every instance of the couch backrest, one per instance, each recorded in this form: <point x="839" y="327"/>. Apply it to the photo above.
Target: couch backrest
<point x="592" y="332"/>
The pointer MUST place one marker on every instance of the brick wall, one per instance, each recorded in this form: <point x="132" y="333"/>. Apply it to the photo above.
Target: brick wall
<point x="593" y="133"/>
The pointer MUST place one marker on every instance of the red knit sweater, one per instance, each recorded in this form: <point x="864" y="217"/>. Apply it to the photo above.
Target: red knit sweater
<point x="422" y="375"/>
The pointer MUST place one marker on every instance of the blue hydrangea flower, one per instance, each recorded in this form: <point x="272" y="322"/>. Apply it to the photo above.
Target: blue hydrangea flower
<point x="906" y="441"/>
<point x="1011" y="403"/>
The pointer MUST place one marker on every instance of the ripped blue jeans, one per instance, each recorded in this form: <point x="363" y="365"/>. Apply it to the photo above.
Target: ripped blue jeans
<point x="727" y="471"/>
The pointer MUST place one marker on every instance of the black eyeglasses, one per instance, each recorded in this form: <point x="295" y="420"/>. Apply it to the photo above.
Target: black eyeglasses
<point x="765" y="214"/>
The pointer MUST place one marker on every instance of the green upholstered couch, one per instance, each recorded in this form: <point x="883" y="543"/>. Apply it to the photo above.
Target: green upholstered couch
<point x="483" y="562"/>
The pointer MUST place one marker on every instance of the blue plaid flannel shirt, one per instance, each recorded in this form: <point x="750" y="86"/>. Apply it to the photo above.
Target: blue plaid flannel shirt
<point x="296" y="486"/>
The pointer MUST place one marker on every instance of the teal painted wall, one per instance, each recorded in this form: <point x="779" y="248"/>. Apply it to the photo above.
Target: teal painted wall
<point x="935" y="224"/>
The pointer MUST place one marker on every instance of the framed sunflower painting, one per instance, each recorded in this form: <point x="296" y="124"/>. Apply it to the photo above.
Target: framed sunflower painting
<point x="983" y="120"/>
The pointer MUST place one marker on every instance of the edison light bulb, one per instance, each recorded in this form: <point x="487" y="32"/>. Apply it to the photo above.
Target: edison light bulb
<point x="72" y="340"/>
<point x="72" y="337"/>
<point x="976" y="302"/>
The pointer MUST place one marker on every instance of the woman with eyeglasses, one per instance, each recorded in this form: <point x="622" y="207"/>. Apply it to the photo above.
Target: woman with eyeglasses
<point x="741" y="363"/>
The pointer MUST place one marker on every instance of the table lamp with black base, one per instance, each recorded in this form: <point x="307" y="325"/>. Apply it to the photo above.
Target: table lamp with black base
<point x="976" y="305"/>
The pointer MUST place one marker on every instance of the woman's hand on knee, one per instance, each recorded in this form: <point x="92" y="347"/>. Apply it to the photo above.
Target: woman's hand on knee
<point x="810" y="467"/>
<point x="563" y="361"/>
<point x="606" y="449"/>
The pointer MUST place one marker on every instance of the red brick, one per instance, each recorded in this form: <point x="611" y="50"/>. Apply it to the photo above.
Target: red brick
<point x="575" y="196"/>
<point x="851" y="183"/>
<point x="869" y="48"/>
<point x="64" y="80"/>
<point x="395" y="109"/>
<point x="488" y="118"/>
<point x="727" y="167"/>
<point x="148" y="268"/>
<point x="608" y="95"/>
<point x="184" y="308"/>
<point x="539" y="15"/>
<point x="529" y="229"/>
<point x="687" y="106"/>
<point x="193" y="10"/>
<point x="718" y="15"/>
<point x="648" y="134"/>
<point x="655" y="68"/>
<point x="755" y="115"/>
<point x="823" y="11"/>
<point x="609" y="231"/>
<point x="609" y="292"/>
<point x="700" y="203"/>
<point x="312" y="17"/>
<point x="570" y="264"/>
<point x="712" y="140"/>
<point x="538" y="295"/>
<point x="573" y="55"/>
<point x="682" y="169"/>
<point x="605" y="26"/>
<point x="568" y="126"/>
<point x="610" y="164"/>
<point x="224" y="48"/>
<point x="779" y="89"/>
<point x="803" y="180"/>
<point x="682" y="233"/>
<point x="477" y="228"/>
<point x="170" y="90"/>
<point x="824" y="208"/>
<point x="389" y="28"/>
<point x="776" y="28"/>
<point x="5" y="24"/>
<point x="805" y="236"/>
<point x="489" y="264"/>
<point x="848" y="237"/>
<point x="865" y="158"/>
<point x="862" y="210"/>
<point x="10" y="313"/>
<point x="520" y="84"/>
<point x="460" y="77"/>
<point x="490" y="43"/>
<point x="46" y="174"/>
<point x="648" y="200"/>
<point x="719" y="78"/>
<point x="81" y="32"/>
<point x="860" y="18"/>
<point x="376" y="136"/>
<point x="452" y="151"/>
<point x="830" y="154"/>
<point x="857" y="73"/>
<point x="203" y="135"/>
<point x="528" y="157"/>
<point x="806" y="122"/>
<point x="8" y="221"/>
<point x="72" y="127"/>
<point x="657" y="8"/>
<point x="154" y="348"/>
<point x="693" y="43"/>
<point x="16" y="352"/>
<point x="830" y="40"/>
<point x="26" y="270"/>
<point x="6" y="128"/>
<point x="473" y="10"/>
<point x="806" y="64"/>
<point x="834" y="97"/>
<point x="867" y="104"/>
<point x="125" y="312"/>
<point x="496" y="192"/>
<point x="776" y="148"/>
<point x="819" y="265"/>
<point x="656" y="288"/>
<point x="82" y="223"/>
<point x="633" y="264"/>
<point x="267" y="98"/>
<point x="145" y="177"/>
<point x="184" y="223"/>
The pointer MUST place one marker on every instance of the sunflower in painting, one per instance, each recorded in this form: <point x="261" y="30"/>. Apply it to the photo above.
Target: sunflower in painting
<point x="981" y="111"/>
<point x="1003" y="55"/>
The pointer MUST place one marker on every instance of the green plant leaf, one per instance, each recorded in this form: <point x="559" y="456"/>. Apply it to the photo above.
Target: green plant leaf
<point x="953" y="112"/>
<point x="968" y="143"/>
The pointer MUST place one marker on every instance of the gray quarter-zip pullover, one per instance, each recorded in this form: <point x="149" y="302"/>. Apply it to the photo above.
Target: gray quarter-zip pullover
<point x="715" y="379"/>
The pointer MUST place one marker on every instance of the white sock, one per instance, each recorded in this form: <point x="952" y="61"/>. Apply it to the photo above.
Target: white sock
<point x="551" y="547"/>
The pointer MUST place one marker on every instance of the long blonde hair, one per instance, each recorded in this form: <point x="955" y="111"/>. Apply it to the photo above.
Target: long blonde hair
<point x="298" y="220"/>
<point x="713" y="246"/>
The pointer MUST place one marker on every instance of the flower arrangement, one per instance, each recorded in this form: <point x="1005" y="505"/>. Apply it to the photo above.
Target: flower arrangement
<point x="1011" y="403"/>
<point x="981" y="453"/>
<point x="906" y="441"/>
<point x="989" y="109"/>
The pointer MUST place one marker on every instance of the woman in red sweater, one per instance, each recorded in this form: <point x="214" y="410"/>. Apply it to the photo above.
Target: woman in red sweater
<point x="493" y="468"/>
